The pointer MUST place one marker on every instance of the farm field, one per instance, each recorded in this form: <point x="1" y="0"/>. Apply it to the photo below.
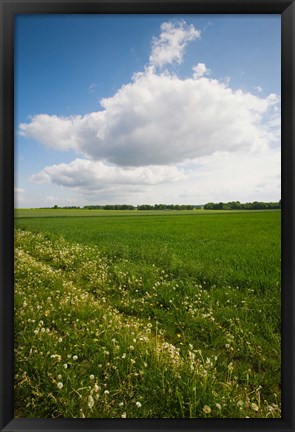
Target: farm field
<point x="147" y="315"/>
<point x="61" y="212"/>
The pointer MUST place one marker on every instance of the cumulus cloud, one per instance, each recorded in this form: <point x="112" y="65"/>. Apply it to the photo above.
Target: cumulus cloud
<point x="57" y="133"/>
<point x="164" y="130"/>
<point x="170" y="46"/>
<point x="160" y="119"/>
<point x="97" y="175"/>
<point x="223" y="176"/>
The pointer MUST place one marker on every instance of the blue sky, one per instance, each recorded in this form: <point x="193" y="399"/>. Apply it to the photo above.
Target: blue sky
<point x="146" y="109"/>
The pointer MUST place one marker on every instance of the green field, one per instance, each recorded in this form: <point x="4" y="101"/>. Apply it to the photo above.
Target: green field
<point x="171" y="314"/>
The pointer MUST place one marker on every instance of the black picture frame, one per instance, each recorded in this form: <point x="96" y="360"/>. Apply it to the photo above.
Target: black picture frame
<point x="8" y="10"/>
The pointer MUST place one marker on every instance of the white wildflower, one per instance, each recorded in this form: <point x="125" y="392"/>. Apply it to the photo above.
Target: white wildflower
<point x="206" y="409"/>
<point x="90" y="402"/>
<point x="254" y="406"/>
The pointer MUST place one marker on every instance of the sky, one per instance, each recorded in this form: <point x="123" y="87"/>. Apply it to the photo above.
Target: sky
<point x="146" y="109"/>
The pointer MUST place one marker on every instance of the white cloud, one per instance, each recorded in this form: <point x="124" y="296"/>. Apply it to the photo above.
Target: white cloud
<point x="160" y="119"/>
<point x="57" y="133"/>
<point x="170" y="46"/>
<point x="96" y="175"/>
<point x="164" y="138"/>
<point x="200" y="70"/>
<point x="223" y="176"/>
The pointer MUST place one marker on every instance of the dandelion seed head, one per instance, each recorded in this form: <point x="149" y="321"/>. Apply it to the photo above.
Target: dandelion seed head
<point x="206" y="409"/>
<point x="90" y="402"/>
<point x="254" y="406"/>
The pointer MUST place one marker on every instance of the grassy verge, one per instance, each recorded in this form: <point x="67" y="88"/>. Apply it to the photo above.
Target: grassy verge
<point x="101" y="335"/>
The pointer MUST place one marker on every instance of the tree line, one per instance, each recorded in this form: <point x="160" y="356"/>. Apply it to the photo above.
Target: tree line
<point x="236" y="205"/>
<point x="131" y="207"/>
<point x="232" y="205"/>
<point x="142" y="207"/>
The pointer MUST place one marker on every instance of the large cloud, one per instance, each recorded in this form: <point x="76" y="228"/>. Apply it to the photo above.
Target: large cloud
<point x="96" y="175"/>
<point x="223" y="176"/>
<point x="166" y="138"/>
<point x="160" y="119"/>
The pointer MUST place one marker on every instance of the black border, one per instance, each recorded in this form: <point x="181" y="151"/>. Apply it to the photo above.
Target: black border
<point x="8" y="9"/>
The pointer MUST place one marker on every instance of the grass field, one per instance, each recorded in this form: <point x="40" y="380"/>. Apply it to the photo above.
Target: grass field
<point x="136" y="314"/>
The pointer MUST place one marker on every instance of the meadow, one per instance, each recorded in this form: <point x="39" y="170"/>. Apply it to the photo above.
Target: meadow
<point x="147" y="314"/>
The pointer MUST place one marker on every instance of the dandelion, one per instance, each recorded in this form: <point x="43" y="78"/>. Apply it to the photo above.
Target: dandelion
<point x="59" y="376"/>
<point x="75" y="357"/>
<point x="124" y="415"/>
<point x="254" y="406"/>
<point x="91" y="377"/>
<point x="65" y="366"/>
<point x="106" y="392"/>
<point x="206" y="409"/>
<point x="90" y="402"/>
<point x="121" y="404"/>
<point x="59" y="340"/>
<point x="54" y="356"/>
<point x="60" y="385"/>
<point x="138" y="404"/>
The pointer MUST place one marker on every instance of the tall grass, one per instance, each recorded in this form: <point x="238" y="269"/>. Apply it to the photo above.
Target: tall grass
<point x="150" y="317"/>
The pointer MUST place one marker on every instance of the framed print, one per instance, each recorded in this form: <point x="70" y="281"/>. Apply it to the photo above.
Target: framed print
<point x="147" y="215"/>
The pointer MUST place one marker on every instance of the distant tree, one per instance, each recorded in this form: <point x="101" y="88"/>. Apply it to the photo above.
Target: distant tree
<point x="236" y="205"/>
